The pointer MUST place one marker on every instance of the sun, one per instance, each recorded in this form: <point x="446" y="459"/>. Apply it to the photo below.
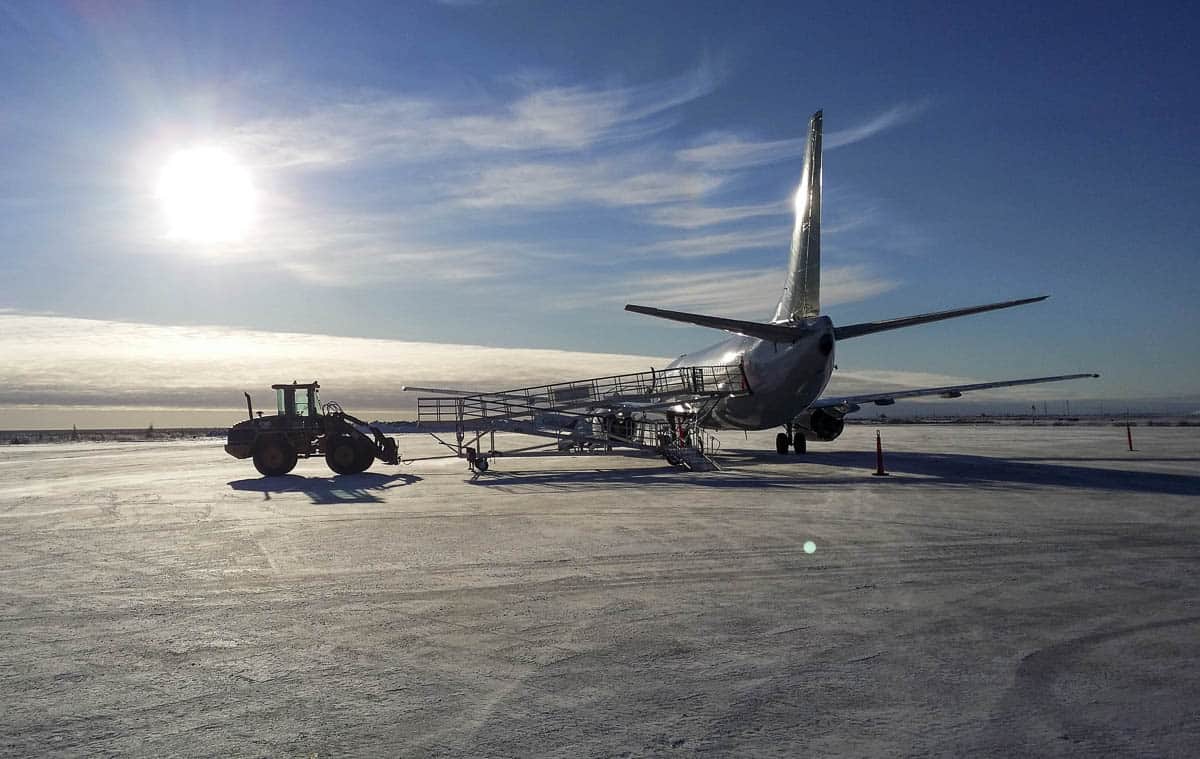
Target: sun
<point x="207" y="196"/>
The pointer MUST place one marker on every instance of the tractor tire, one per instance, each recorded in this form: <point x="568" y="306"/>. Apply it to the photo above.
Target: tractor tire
<point x="274" y="457"/>
<point x="342" y="456"/>
<point x="781" y="443"/>
<point x="366" y="455"/>
<point x="799" y="443"/>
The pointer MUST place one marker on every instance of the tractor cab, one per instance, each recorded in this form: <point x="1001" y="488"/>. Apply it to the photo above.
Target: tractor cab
<point x="297" y="399"/>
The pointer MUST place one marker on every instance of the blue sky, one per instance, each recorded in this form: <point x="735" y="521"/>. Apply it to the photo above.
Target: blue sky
<point x="513" y="173"/>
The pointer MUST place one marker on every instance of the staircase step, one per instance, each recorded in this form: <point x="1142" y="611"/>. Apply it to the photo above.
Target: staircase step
<point x="690" y="458"/>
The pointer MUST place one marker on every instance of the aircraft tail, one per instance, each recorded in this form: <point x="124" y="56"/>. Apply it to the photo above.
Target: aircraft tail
<point x="802" y="291"/>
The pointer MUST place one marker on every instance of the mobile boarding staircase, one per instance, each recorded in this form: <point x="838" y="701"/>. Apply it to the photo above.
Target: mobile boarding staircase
<point x="655" y="411"/>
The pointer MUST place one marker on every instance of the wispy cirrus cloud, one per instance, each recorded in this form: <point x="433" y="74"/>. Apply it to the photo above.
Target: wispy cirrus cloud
<point x="696" y="216"/>
<point x="895" y="116"/>
<point x="731" y="152"/>
<point x="468" y="166"/>
<point x="620" y="183"/>
<point x="352" y="247"/>
<point x="542" y="148"/>
<point x="406" y="129"/>
<point x="720" y="243"/>
<point x="743" y="293"/>
<point x="710" y="231"/>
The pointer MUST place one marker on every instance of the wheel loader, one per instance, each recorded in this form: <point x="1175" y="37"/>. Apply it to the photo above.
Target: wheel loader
<point x="302" y="428"/>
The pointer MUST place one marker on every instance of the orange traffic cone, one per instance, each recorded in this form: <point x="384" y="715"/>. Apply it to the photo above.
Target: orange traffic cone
<point x="879" y="457"/>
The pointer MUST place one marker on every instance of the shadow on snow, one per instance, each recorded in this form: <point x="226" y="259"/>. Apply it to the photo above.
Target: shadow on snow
<point x="829" y="468"/>
<point x="347" y="488"/>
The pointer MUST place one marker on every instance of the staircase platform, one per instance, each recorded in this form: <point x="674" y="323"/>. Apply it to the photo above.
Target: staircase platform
<point x="639" y="410"/>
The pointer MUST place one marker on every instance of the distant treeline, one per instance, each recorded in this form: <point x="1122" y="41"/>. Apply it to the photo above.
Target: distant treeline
<point x="23" y="437"/>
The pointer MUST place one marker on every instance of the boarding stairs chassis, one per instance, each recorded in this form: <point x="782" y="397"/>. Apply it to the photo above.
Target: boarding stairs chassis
<point x="692" y="453"/>
<point x="590" y="414"/>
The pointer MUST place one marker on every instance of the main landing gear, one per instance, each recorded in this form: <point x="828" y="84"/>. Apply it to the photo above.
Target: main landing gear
<point x="790" y="439"/>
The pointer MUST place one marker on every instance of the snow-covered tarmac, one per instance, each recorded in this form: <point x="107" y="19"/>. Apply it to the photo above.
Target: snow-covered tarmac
<point x="1008" y="591"/>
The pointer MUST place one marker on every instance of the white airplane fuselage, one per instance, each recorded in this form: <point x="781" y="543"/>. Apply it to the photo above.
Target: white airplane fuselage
<point x="784" y="378"/>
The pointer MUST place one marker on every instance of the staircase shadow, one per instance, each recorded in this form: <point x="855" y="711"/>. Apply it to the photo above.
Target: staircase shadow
<point x="565" y="480"/>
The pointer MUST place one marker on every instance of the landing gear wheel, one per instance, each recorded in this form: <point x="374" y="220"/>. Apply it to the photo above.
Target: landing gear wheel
<point x="799" y="444"/>
<point x="274" y="458"/>
<point x="341" y="454"/>
<point x="781" y="443"/>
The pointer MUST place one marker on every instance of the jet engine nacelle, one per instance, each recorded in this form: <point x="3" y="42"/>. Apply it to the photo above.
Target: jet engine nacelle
<point x="821" y="425"/>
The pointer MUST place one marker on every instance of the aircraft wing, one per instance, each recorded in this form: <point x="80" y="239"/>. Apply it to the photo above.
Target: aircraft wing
<point x="850" y="403"/>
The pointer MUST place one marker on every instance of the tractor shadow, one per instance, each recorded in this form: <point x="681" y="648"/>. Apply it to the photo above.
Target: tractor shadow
<point x="367" y="487"/>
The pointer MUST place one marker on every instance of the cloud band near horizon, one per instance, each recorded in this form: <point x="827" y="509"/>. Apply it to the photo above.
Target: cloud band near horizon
<point x="63" y="362"/>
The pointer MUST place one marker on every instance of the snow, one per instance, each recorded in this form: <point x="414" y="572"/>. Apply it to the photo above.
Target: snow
<point x="1007" y="591"/>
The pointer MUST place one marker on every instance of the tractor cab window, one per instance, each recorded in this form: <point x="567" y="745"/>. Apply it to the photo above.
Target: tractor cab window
<point x="297" y="401"/>
<point x="283" y="399"/>
<point x="306" y="402"/>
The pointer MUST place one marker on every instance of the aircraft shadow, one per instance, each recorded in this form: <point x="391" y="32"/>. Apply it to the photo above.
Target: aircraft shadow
<point x="984" y="471"/>
<point x="1180" y="459"/>
<point x="745" y="469"/>
<point x="347" y="488"/>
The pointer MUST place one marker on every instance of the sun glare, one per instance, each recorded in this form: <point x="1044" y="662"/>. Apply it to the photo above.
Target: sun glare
<point x="207" y="196"/>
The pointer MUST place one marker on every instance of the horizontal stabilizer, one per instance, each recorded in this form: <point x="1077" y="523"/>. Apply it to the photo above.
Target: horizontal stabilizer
<point x="868" y="328"/>
<point x="850" y="403"/>
<point x="779" y="333"/>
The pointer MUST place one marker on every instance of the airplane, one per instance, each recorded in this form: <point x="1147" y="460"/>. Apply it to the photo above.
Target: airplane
<point x="784" y="364"/>
<point x="789" y="360"/>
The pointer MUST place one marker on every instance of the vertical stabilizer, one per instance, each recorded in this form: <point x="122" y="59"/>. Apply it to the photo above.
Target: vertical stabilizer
<point x="802" y="290"/>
